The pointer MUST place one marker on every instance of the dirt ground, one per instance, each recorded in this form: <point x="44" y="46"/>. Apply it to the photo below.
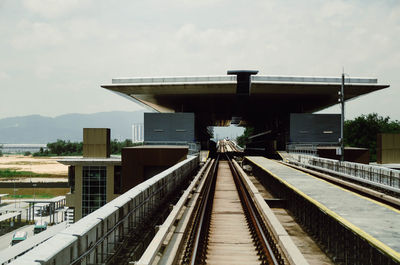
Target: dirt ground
<point x="43" y="165"/>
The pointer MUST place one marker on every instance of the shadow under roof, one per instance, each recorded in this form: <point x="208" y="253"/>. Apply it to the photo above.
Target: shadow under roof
<point x="215" y="99"/>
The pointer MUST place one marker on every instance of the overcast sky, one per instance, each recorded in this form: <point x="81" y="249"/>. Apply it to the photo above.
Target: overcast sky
<point x="54" y="54"/>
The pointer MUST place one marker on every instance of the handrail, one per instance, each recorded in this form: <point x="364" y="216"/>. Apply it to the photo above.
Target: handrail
<point x="370" y="174"/>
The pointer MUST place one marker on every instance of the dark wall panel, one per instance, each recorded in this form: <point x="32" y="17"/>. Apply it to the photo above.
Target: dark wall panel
<point x="314" y="128"/>
<point x="169" y="127"/>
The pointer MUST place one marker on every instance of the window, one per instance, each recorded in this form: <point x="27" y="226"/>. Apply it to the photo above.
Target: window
<point x="93" y="188"/>
<point x="117" y="179"/>
<point x="71" y="178"/>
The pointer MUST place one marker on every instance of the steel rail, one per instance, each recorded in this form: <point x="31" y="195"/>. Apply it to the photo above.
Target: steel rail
<point x="196" y="246"/>
<point x="260" y="235"/>
<point x="198" y="235"/>
<point x="204" y="224"/>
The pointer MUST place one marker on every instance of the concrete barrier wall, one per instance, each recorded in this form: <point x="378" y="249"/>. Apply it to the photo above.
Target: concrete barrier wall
<point x="94" y="237"/>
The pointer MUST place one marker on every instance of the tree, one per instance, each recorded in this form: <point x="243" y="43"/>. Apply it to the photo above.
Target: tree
<point x="67" y="148"/>
<point x="243" y="139"/>
<point x="363" y="130"/>
<point x="116" y="147"/>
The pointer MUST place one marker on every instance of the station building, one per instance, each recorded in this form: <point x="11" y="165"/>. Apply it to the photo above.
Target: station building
<point x="243" y="98"/>
<point x="185" y="108"/>
<point x="97" y="177"/>
<point x="94" y="177"/>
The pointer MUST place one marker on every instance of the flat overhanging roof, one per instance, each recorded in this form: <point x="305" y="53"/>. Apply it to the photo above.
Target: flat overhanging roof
<point x="79" y="160"/>
<point x="216" y="96"/>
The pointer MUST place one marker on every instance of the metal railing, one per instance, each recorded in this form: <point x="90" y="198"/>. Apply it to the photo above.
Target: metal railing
<point x="194" y="147"/>
<point x="308" y="148"/>
<point x="377" y="176"/>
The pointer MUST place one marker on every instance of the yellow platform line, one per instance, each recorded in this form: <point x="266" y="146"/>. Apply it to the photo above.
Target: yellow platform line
<point x="375" y="242"/>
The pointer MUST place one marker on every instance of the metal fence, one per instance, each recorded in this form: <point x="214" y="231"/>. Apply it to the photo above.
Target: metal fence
<point x="307" y="148"/>
<point x="194" y="147"/>
<point x="377" y="176"/>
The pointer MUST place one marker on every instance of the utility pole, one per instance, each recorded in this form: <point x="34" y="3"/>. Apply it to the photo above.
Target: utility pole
<point x="341" y="100"/>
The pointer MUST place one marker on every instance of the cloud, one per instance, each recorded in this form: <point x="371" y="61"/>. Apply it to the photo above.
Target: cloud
<point x="4" y="76"/>
<point x="53" y="8"/>
<point x="196" y="3"/>
<point x="47" y="42"/>
<point x="86" y="29"/>
<point x="43" y="71"/>
<point x="336" y="9"/>
<point x="36" y="35"/>
<point x="195" y="38"/>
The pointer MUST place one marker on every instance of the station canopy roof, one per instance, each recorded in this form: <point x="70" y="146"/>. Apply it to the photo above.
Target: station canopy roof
<point x="216" y="101"/>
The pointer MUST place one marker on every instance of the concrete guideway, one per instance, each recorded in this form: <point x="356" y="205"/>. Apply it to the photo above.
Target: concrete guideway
<point x="374" y="222"/>
<point x="99" y="236"/>
<point x="229" y="240"/>
<point x="226" y="214"/>
<point x="32" y="241"/>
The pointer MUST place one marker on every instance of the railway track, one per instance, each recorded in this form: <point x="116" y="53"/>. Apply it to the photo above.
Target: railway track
<point x="227" y="228"/>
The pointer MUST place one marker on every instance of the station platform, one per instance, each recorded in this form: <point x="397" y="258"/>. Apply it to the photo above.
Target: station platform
<point x="376" y="223"/>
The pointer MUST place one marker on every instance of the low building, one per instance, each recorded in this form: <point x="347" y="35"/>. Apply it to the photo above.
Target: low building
<point x="97" y="178"/>
<point x="388" y="148"/>
<point x="142" y="162"/>
<point x="92" y="177"/>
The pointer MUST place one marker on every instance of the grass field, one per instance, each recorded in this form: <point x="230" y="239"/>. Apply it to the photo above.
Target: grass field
<point x="27" y="193"/>
<point x="11" y="173"/>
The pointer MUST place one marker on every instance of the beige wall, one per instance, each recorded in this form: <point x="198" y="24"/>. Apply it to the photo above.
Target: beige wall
<point x="96" y="142"/>
<point x="110" y="184"/>
<point x="388" y="148"/>
<point x="75" y="199"/>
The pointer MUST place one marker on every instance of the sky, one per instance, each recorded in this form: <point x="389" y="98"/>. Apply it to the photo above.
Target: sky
<point x="55" y="54"/>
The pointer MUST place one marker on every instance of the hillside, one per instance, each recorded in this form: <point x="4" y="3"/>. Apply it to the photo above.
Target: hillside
<point x="40" y="129"/>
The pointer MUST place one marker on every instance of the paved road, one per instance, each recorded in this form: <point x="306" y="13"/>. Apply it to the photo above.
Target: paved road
<point x="5" y="240"/>
<point x="10" y="253"/>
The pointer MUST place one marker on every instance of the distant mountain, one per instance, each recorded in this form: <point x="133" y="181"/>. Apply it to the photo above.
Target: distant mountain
<point x="40" y="129"/>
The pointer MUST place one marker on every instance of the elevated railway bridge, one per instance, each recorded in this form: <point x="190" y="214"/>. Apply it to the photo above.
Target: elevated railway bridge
<point x="242" y="210"/>
<point x="238" y="209"/>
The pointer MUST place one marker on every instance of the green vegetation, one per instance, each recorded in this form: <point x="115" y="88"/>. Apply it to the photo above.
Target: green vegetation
<point x="29" y="193"/>
<point x="363" y="130"/>
<point x="1" y="152"/>
<point x="27" y="153"/>
<point x="67" y="148"/>
<point x="116" y="147"/>
<point x="243" y="139"/>
<point x="359" y="132"/>
<point x="10" y="173"/>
